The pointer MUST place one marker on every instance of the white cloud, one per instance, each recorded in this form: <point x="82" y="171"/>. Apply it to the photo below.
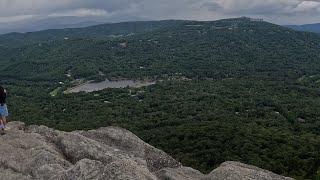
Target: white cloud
<point x="81" y="13"/>
<point x="256" y="6"/>
<point x="308" y="6"/>
<point x="15" y="18"/>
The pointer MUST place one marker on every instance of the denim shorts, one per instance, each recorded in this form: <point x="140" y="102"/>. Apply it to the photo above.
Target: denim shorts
<point x="4" y="111"/>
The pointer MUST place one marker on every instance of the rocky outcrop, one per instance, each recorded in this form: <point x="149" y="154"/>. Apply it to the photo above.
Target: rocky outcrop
<point x="38" y="152"/>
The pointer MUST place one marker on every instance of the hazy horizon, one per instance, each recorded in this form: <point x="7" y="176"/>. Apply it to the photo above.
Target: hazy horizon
<point x="20" y="15"/>
<point x="62" y="23"/>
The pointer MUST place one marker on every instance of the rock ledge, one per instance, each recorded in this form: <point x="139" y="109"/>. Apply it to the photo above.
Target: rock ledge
<point x="38" y="152"/>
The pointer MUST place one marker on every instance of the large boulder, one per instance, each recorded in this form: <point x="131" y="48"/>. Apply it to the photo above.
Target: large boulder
<point x="234" y="170"/>
<point x="38" y="152"/>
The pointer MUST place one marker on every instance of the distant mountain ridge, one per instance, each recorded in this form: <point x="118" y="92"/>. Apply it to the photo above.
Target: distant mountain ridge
<point x="33" y="25"/>
<point x="306" y="27"/>
<point x="39" y="27"/>
<point x="48" y="23"/>
<point x="101" y="31"/>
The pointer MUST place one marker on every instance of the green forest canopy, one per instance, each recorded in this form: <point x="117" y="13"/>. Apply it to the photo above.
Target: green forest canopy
<point x="232" y="89"/>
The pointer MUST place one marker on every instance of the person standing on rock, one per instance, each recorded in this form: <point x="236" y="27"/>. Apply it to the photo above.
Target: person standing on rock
<point x="3" y="109"/>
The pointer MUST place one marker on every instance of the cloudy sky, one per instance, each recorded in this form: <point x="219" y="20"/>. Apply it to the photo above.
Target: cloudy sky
<point x="277" y="11"/>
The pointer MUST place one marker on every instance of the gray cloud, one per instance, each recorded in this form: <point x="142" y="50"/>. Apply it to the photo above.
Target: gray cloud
<point x="278" y="11"/>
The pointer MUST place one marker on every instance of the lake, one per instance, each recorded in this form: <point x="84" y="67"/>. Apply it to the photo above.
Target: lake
<point x="92" y="86"/>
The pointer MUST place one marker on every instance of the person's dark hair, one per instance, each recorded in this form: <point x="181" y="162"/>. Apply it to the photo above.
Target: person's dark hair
<point x="3" y="96"/>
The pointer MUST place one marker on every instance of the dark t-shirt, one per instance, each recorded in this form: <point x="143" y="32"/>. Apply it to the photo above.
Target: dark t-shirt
<point x="3" y="96"/>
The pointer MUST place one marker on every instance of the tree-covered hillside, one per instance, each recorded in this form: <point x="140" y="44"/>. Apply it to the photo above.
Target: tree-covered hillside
<point x="234" y="89"/>
<point x="227" y="48"/>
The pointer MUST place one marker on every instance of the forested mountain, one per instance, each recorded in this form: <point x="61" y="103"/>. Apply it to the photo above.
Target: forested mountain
<point x="221" y="49"/>
<point x="104" y="31"/>
<point x="234" y="89"/>
<point x="306" y="27"/>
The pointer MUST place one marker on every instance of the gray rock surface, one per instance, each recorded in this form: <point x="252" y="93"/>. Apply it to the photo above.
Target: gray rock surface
<point x="38" y="152"/>
<point x="234" y="170"/>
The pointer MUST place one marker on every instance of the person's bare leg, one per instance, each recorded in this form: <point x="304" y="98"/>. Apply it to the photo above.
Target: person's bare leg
<point x="4" y="120"/>
<point x="2" y="126"/>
